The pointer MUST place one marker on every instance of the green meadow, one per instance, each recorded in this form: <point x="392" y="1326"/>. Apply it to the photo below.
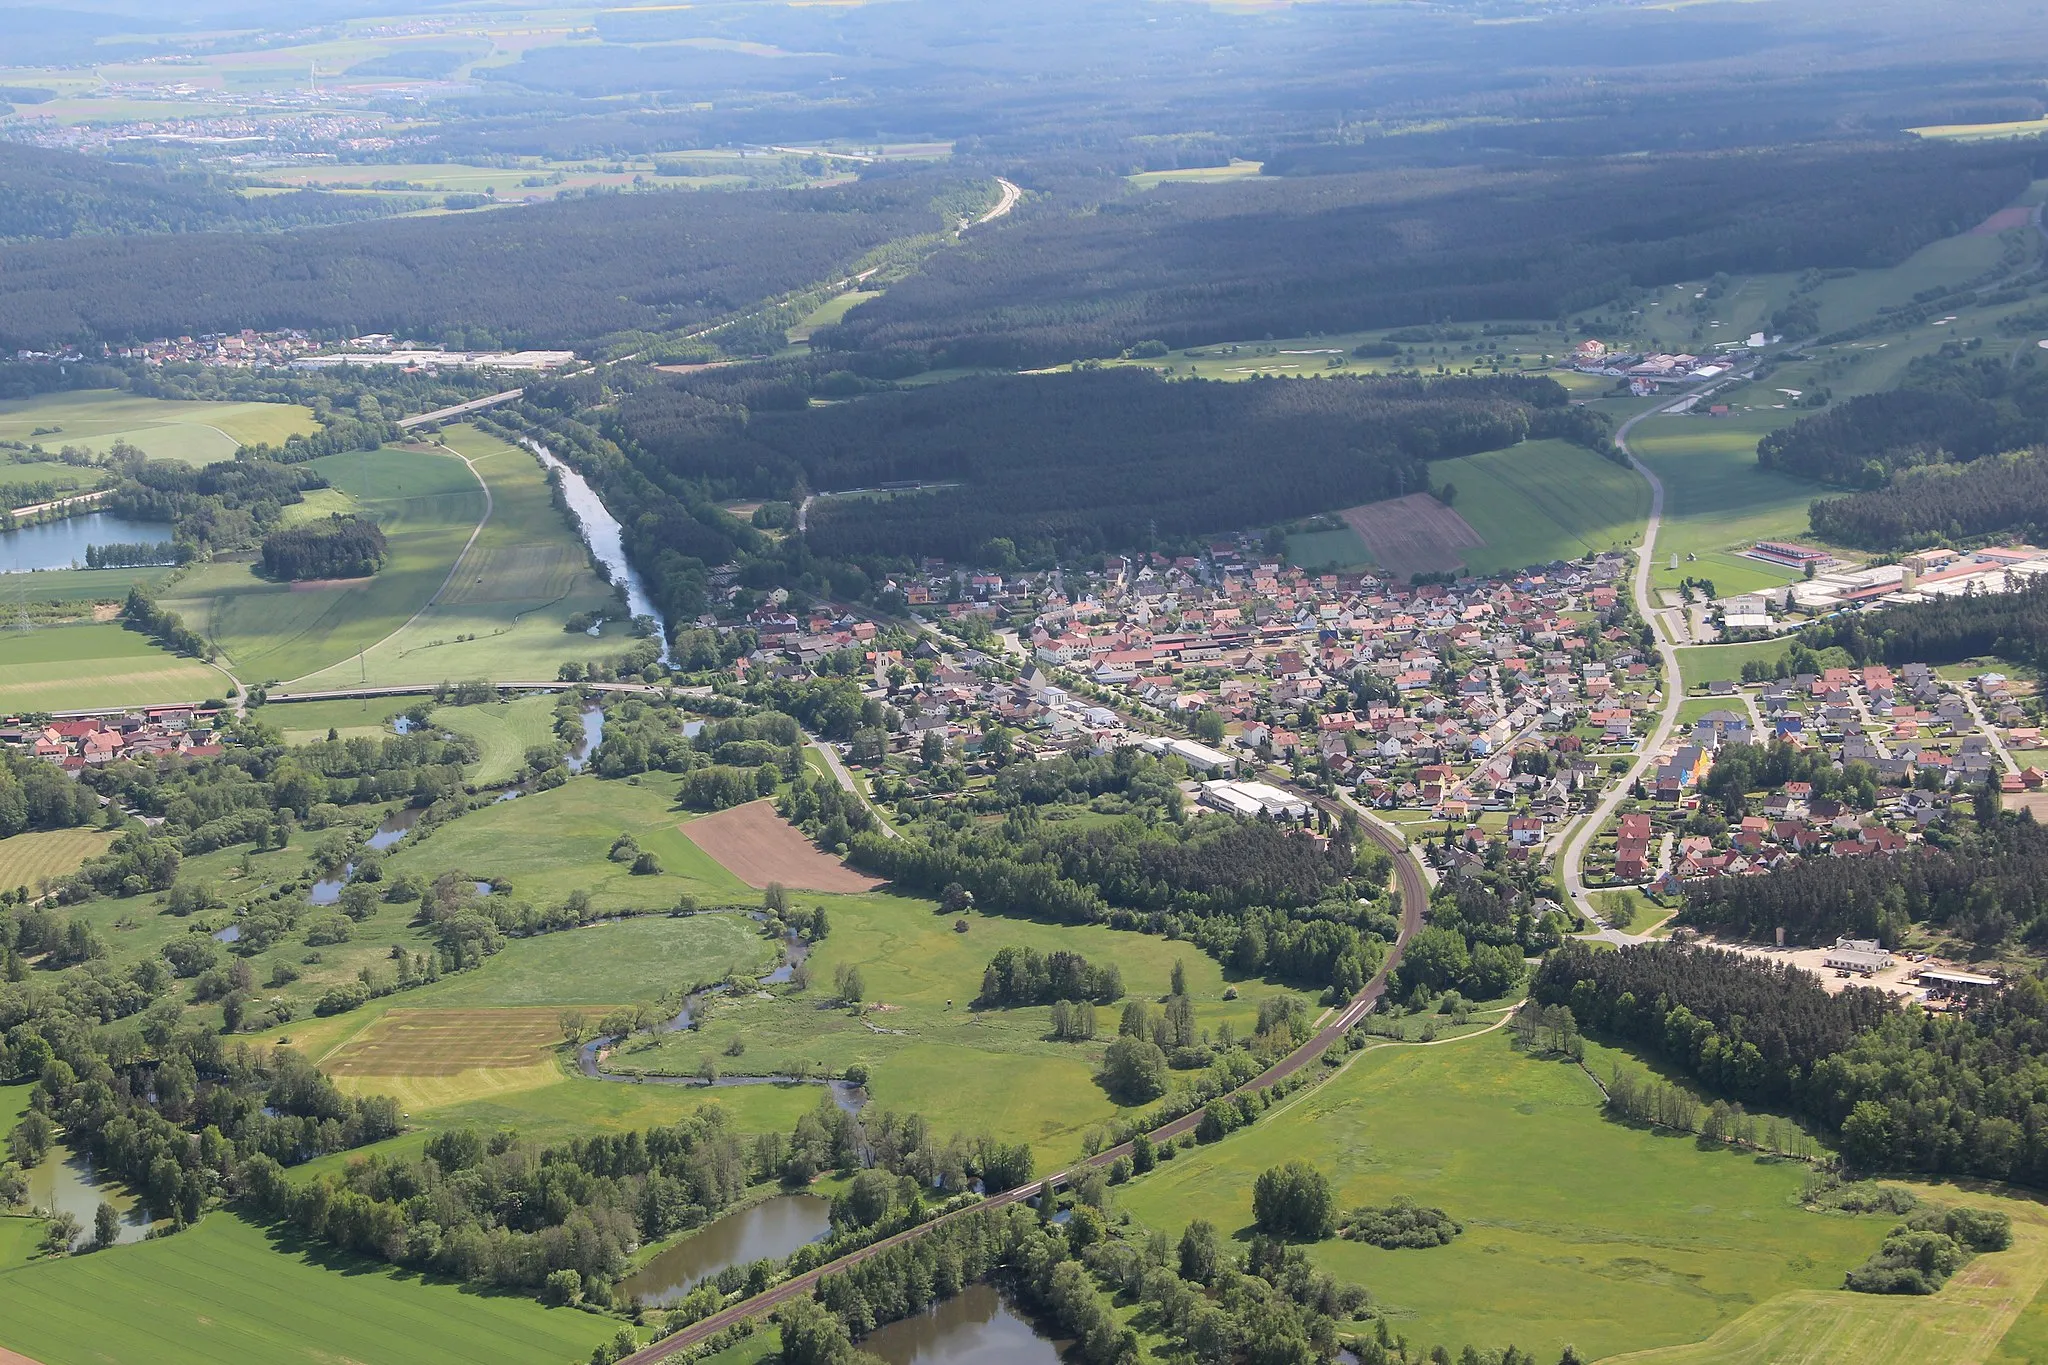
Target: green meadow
<point x="1576" y="1229"/>
<point x="1544" y="500"/>
<point x="74" y="667"/>
<point x="1716" y="499"/>
<point x="1723" y="663"/>
<point x="504" y="729"/>
<point x="226" y="1292"/>
<point x="605" y="964"/>
<point x="80" y="585"/>
<point x="165" y="429"/>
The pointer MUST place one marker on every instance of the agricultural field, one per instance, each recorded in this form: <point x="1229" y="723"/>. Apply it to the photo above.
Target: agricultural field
<point x="1411" y="535"/>
<point x="1577" y="1229"/>
<point x="26" y="859"/>
<point x="225" y="1292"/>
<point x="78" y="666"/>
<point x="1544" y="500"/>
<point x="498" y="612"/>
<point x="1340" y="549"/>
<point x="760" y="848"/>
<point x="82" y="586"/>
<point x="196" y="433"/>
<point x="1716" y="499"/>
<point x="504" y="729"/>
<point x="70" y="477"/>
<point x="1235" y="169"/>
<point x="307" y="722"/>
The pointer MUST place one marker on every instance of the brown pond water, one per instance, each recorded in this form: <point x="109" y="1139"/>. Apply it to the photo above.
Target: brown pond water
<point x="774" y="1227"/>
<point x="975" y="1327"/>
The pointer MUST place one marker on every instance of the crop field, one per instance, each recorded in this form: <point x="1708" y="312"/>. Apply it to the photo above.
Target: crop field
<point x="25" y="859"/>
<point x="225" y="1292"/>
<point x="1577" y="1229"/>
<point x="1716" y="499"/>
<point x="1340" y="549"/>
<point x="74" y="667"/>
<point x="197" y="433"/>
<point x="759" y="847"/>
<point x="927" y="1049"/>
<point x="1544" y="500"/>
<point x="553" y="842"/>
<point x="428" y="1058"/>
<point x="1415" y="534"/>
<point x="504" y="729"/>
<point x="525" y="574"/>
<point x="79" y="585"/>
<point x="427" y="505"/>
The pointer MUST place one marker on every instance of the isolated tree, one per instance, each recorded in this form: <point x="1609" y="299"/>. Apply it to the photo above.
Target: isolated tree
<point x="1294" y="1200"/>
<point x="775" y="899"/>
<point x="1201" y="1252"/>
<point x="1134" y="1070"/>
<point x="1180" y="978"/>
<point x="106" y="1225"/>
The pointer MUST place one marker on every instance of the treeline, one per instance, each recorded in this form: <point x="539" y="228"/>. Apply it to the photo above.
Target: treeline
<point x="1948" y="629"/>
<point x="226" y="505"/>
<point x="35" y="794"/>
<point x="339" y="547"/>
<point x="1080" y="462"/>
<point x="132" y="554"/>
<point x="48" y="194"/>
<point x="1984" y="885"/>
<point x="559" y="274"/>
<point x="1025" y="976"/>
<point x="142" y="612"/>
<point x="1333" y="253"/>
<point x="1956" y="405"/>
<point x="1943" y="504"/>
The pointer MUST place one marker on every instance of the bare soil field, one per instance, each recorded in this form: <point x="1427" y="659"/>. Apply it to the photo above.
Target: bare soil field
<point x="1415" y="534"/>
<point x="2035" y="802"/>
<point x="2003" y="221"/>
<point x="758" y="846"/>
<point x="444" y="1042"/>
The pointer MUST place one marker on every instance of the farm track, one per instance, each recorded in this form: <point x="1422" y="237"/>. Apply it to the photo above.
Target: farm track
<point x="1414" y="902"/>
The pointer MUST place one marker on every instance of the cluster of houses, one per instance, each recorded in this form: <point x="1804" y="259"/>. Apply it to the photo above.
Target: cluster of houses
<point x="1644" y="371"/>
<point x="74" y="745"/>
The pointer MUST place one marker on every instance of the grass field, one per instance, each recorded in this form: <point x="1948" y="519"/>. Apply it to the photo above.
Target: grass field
<point x="831" y="311"/>
<point x="197" y="433"/>
<point x="79" y="585"/>
<point x="1717" y="500"/>
<point x="226" y="1293"/>
<point x="27" y="858"/>
<point x="505" y="730"/>
<point x="430" y="1058"/>
<point x="67" y="477"/>
<point x="523" y="577"/>
<point x="554" y="842"/>
<point x="1340" y="549"/>
<point x="306" y="722"/>
<point x="1576" y="1229"/>
<point x="1198" y="175"/>
<point x="73" y="667"/>
<point x="1544" y="500"/>
<point x="608" y="964"/>
<point x="1723" y="663"/>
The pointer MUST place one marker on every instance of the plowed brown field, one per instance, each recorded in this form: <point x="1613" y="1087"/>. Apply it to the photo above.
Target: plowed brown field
<point x="758" y="846"/>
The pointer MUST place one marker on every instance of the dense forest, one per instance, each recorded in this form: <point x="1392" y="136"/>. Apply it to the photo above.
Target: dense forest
<point x="2010" y="625"/>
<point x="1286" y="256"/>
<point x="47" y="194"/>
<point x="1092" y="460"/>
<point x="1985" y="885"/>
<point x="1944" y="504"/>
<point x="559" y="274"/>
<point x="224" y="505"/>
<point x="1956" y="405"/>
<point x="339" y="547"/>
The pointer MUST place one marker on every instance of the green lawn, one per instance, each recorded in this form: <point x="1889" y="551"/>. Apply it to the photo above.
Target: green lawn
<point x="197" y="433"/>
<point x="73" y="667"/>
<point x="1723" y="663"/>
<point x="524" y="576"/>
<point x="551" y="843"/>
<point x="1576" y="1229"/>
<point x="226" y="1293"/>
<point x="505" y="729"/>
<point x="1341" y="549"/>
<point x="304" y="722"/>
<point x="1544" y="500"/>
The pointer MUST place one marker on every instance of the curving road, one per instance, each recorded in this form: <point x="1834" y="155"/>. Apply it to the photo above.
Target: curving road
<point x="1414" y="902"/>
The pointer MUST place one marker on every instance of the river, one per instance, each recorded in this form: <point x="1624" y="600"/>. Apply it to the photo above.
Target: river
<point x="977" y="1326"/>
<point x="603" y="534"/>
<point x="61" y="544"/>
<point x="772" y="1228"/>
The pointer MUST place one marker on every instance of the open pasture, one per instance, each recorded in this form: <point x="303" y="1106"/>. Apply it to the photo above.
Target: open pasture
<point x="525" y="573"/>
<point x="550" y="843"/>
<point x="1544" y="500"/>
<point x="505" y="730"/>
<point x="68" y="477"/>
<point x="1577" y="1229"/>
<point x="75" y="667"/>
<point x="165" y="429"/>
<point x="1716" y="498"/>
<point x="607" y="964"/>
<point x="759" y="847"/>
<point x="225" y="1292"/>
<point x="1411" y="535"/>
<point x="26" y="859"/>
<point x="81" y="585"/>
<point x="307" y="722"/>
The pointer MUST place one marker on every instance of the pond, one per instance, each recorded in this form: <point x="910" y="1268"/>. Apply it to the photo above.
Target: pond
<point x="593" y="735"/>
<point x="61" y="544"/>
<point x="978" y="1326"/>
<point x="64" y="1183"/>
<point x="394" y="827"/>
<point x="327" y="891"/>
<point x="602" y="533"/>
<point x="774" y="1227"/>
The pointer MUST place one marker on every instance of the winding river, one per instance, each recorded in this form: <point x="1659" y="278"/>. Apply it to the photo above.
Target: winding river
<point x="603" y="534"/>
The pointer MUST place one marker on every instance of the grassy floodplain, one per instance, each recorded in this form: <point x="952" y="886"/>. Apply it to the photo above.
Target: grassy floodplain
<point x="1577" y="1229"/>
<point x="504" y="729"/>
<point x="225" y="1292"/>
<point x="196" y="433"/>
<point x="25" y="859"/>
<point x="79" y="666"/>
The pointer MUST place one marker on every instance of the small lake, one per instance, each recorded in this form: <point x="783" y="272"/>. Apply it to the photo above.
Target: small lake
<point x="61" y="544"/>
<point x="775" y="1227"/>
<point x="65" y="1183"/>
<point x="394" y="827"/>
<point x="977" y="1326"/>
<point x="604" y="536"/>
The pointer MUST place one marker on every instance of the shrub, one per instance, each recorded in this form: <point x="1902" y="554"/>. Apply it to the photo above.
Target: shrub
<point x="1401" y="1224"/>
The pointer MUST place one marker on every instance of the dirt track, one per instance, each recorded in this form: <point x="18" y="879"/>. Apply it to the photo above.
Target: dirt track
<point x="758" y="846"/>
<point x="1414" y="901"/>
<point x="1415" y="534"/>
